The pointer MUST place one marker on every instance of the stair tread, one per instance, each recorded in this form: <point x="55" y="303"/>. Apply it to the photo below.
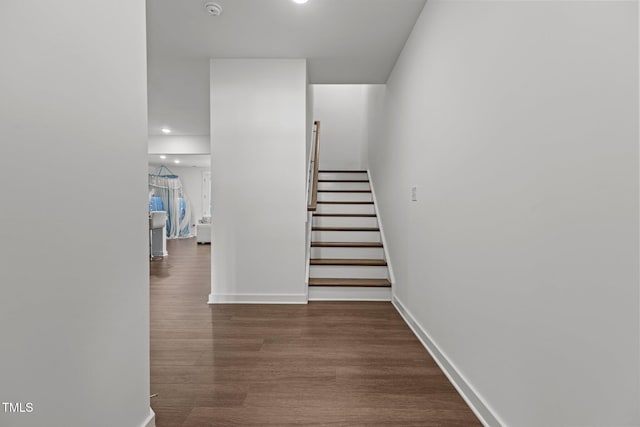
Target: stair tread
<point x="346" y="244"/>
<point x="342" y="171"/>
<point x="355" y="215"/>
<point x="344" y="261"/>
<point x="345" y="229"/>
<point x="344" y="191"/>
<point x="378" y="283"/>
<point x="343" y="180"/>
<point x="344" y="202"/>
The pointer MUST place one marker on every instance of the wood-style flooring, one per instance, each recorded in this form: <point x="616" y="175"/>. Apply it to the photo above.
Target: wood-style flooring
<point x="321" y="364"/>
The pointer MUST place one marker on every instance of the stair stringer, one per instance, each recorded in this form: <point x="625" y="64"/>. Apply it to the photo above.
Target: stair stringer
<point x="385" y="247"/>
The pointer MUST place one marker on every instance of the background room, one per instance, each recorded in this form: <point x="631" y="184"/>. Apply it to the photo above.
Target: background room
<point x="180" y="185"/>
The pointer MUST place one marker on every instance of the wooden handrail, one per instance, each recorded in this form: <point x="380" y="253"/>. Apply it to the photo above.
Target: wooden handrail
<point x="316" y="162"/>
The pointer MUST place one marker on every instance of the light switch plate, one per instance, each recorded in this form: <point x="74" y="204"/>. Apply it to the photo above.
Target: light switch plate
<point x="414" y="194"/>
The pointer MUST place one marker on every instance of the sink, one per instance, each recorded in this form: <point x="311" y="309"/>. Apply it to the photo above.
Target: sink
<point x="157" y="219"/>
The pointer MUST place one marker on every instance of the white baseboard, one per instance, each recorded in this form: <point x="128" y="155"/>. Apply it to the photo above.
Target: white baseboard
<point x="468" y="393"/>
<point x="151" y="419"/>
<point x="258" y="299"/>
<point x="348" y="293"/>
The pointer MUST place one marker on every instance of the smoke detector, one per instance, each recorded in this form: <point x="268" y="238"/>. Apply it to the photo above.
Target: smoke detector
<point x="213" y="9"/>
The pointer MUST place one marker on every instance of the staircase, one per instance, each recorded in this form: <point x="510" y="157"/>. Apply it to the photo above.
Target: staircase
<point x="347" y="255"/>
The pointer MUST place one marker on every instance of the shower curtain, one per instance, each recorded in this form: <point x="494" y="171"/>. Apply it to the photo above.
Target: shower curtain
<point x="167" y="194"/>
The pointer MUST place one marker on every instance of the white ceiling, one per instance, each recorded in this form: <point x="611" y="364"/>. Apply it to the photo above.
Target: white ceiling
<point x="344" y="41"/>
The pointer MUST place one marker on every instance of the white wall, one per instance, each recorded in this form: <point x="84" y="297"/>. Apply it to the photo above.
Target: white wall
<point x="179" y="144"/>
<point x="258" y="179"/>
<point x="310" y="120"/>
<point x="74" y="254"/>
<point x="341" y="110"/>
<point x="518" y="123"/>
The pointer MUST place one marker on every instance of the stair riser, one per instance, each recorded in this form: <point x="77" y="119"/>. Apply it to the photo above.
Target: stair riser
<point x="349" y="197"/>
<point x="345" y="209"/>
<point x="329" y="293"/>
<point x="337" y="221"/>
<point x="342" y="175"/>
<point x="349" y="271"/>
<point x="348" y="253"/>
<point x="345" y="236"/>
<point x="343" y="186"/>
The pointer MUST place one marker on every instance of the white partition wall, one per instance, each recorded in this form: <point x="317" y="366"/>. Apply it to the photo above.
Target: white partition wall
<point x="517" y="122"/>
<point x="74" y="271"/>
<point x="258" y="146"/>
<point x="179" y="144"/>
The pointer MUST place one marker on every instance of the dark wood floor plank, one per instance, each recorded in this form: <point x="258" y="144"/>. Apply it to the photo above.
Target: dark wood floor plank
<point x="321" y="364"/>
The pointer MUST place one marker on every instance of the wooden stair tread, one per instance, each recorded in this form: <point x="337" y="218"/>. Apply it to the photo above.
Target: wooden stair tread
<point x="346" y="244"/>
<point x="343" y="180"/>
<point x="342" y="171"/>
<point x="374" y="283"/>
<point x="345" y="229"/>
<point x="344" y="202"/>
<point x="344" y="191"/>
<point x="344" y="261"/>
<point x="345" y="215"/>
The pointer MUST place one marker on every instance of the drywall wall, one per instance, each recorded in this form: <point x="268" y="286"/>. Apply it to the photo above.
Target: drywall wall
<point x="74" y="256"/>
<point x="310" y="120"/>
<point x="341" y="110"/>
<point x="518" y="124"/>
<point x="179" y="144"/>
<point x="258" y="131"/>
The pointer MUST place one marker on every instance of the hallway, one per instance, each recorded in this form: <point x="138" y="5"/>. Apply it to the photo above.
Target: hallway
<point x="316" y="364"/>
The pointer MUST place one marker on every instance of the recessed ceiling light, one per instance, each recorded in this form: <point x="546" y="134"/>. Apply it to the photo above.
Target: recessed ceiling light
<point x="176" y="161"/>
<point x="300" y="1"/>
<point x="165" y="130"/>
<point x="163" y="157"/>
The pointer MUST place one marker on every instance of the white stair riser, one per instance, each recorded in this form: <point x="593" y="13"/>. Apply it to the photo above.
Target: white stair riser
<point x="345" y="236"/>
<point x="342" y="175"/>
<point x="348" y="253"/>
<point x="343" y="293"/>
<point x="345" y="221"/>
<point x="350" y="197"/>
<point x="345" y="208"/>
<point x="349" y="271"/>
<point x="343" y="186"/>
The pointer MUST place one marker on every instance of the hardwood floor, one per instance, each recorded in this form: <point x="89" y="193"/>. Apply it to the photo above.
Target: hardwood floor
<point x="321" y="364"/>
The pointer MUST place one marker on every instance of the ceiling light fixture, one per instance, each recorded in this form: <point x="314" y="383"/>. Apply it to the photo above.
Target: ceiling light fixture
<point x="163" y="157"/>
<point x="300" y="1"/>
<point x="176" y="161"/>
<point x="165" y="130"/>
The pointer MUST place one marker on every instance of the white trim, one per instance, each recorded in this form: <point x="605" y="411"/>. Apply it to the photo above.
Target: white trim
<point x="385" y="247"/>
<point x="485" y="414"/>
<point x="150" y="421"/>
<point x="257" y="298"/>
<point x="309" y="225"/>
<point x="348" y="293"/>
